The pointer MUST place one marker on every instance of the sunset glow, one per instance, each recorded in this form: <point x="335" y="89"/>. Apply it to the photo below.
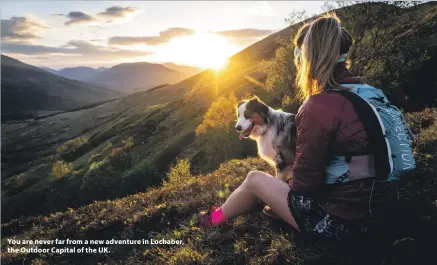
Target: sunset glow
<point x="201" y="50"/>
<point x="104" y="34"/>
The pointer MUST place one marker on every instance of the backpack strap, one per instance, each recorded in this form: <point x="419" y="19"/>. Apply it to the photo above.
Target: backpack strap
<point x="377" y="142"/>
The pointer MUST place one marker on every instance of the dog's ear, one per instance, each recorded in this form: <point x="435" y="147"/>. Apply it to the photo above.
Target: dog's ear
<point x="257" y="106"/>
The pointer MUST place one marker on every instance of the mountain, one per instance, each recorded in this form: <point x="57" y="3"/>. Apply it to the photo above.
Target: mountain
<point x="127" y="77"/>
<point x="146" y="164"/>
<point x="188" y="70"/>
<point x="79" y="73"/>
<point x="27" y="89"/>
<point x="50" y="70"/>
<point x="101" y="69"/>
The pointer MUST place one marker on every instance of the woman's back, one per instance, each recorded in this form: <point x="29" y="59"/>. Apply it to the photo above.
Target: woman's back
<point x="327" y="124"/>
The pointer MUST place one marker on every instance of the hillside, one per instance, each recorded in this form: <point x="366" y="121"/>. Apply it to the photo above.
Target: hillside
<point x="26" y="89"/>
<point x="48" y="69"/>
<point x="168" y="212"/>
<point x="78" y="73"/>
<point x="128" y="76"/>
<point x="163" y="124"/>
<point x="188" y="70"/>
<point x="127" y="146"/>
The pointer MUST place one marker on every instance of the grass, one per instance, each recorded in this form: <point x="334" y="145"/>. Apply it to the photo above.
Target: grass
<point x="168" y="211"/>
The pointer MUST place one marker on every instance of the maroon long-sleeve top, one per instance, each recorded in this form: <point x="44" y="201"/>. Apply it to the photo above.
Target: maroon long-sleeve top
<point x="327" y="124"/>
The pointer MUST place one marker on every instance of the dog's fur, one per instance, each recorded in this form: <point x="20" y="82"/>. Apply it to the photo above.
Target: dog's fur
<point x="273" y="130"/>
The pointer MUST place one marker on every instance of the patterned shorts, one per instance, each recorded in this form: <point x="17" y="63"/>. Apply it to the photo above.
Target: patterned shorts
<point x="314" y="220"/>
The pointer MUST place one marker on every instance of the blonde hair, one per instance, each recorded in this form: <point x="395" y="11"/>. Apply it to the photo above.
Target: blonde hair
<point x="319" y="52"/>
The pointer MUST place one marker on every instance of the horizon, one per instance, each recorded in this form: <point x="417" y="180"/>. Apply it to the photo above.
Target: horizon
<point x="110" y="66"/>
<point x="103" y="34"/>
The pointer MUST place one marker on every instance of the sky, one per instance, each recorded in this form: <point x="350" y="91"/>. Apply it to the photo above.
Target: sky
<point x="61" y="34"/>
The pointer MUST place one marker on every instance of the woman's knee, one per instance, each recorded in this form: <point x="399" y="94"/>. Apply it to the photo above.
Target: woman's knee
<point x="254" y="176"/>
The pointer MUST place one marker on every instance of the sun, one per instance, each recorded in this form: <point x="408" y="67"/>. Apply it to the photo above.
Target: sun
<point x="201" y="49"/>
<point x="216" y="63"/>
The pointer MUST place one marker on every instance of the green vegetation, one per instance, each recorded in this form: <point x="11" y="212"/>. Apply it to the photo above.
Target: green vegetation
<point x="72" y="145"/>
<point x="143" y="165"/>
<point x="392" y="50"/>
<point x="192" y="120"/>
<point x="217" y="129"/>
<point x="169" y="212"/>
<point x="60" y="169"/>
<point x="180" y="174"/>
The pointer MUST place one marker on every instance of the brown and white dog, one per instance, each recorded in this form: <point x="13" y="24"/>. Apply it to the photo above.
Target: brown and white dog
<point x="274" y="132"/>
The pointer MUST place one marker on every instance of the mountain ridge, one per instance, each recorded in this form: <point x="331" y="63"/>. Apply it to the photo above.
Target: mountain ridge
<point x="29" y="88"/>
<point x="129" y="76"/>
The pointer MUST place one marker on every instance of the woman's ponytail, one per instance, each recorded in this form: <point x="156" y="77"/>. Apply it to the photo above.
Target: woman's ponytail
<point x="322" y="42"/>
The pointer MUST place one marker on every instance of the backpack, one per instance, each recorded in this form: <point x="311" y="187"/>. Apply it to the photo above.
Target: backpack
<point x="388" y="133"/>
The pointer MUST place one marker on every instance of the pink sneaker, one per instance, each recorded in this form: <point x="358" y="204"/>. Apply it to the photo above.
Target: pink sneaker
<point x="204" y="218"/>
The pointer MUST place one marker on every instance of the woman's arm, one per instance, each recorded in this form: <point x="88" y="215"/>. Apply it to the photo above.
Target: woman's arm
<point x="315" y="123"/>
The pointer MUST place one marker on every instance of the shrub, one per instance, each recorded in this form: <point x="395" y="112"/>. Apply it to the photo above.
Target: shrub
<point x="104" y="181"/>
<point x="99" y="180"/>
<point x="186" y="255"/>
<point x="107" y="148"/>
<point x="95" y="158"/>
<point x="120" y="159"/>
<point x="72" y="145"/>
<point x="128" y="143"/>
<point x="61" y="169"/>
<point x="140" y="177"/>
<point x="219" y="115"/>
<point x="180" y="173"/>
<point x="221" y="142"/>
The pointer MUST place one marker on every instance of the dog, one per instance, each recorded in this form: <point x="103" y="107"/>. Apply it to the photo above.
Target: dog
<point x="274" y="132"/>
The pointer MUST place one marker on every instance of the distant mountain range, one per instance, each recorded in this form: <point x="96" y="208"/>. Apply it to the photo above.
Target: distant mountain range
<point x="128" y="77"/>
<point x="28" y="89"/>
<point x="188" y="70"/>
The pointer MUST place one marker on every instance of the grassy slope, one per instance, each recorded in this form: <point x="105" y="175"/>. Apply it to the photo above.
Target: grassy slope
<point x="162" y="123"/>
<point x="167" y="212"/>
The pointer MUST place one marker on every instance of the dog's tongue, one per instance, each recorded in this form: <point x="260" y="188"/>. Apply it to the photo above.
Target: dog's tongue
<point x="242" y="135"/>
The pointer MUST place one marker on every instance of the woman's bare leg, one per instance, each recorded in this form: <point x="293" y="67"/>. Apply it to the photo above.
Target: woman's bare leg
<point x="260" y="185"/>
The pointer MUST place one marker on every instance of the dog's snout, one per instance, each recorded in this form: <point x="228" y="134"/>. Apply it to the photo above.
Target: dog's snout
<point x="238" y="128"/>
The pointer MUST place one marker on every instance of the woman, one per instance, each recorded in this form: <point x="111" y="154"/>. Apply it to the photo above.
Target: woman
<point x="326" y="124"/>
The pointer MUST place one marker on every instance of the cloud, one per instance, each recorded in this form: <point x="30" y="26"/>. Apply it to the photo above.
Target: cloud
<point x="21" y="29"/>
<point x="244" y="37"/>
<point x="110" y="15"/>
<point x="114" y="13"/>
<point x="164" y="36"/>
<point x="77" y="17"/>
<point x="244" y="33"/>
<point x="240" y="37"/>
<point x="87" y="51"/>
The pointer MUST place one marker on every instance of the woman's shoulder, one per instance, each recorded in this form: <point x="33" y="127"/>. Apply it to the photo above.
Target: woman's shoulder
<point x="326" y="102"/>
<point x="323" y="110"/>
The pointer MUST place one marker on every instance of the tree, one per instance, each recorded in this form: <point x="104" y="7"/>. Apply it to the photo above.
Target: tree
<point x="218" y="131"/>
<point x="296" y="16"/>
<point x="388" y="47"/>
